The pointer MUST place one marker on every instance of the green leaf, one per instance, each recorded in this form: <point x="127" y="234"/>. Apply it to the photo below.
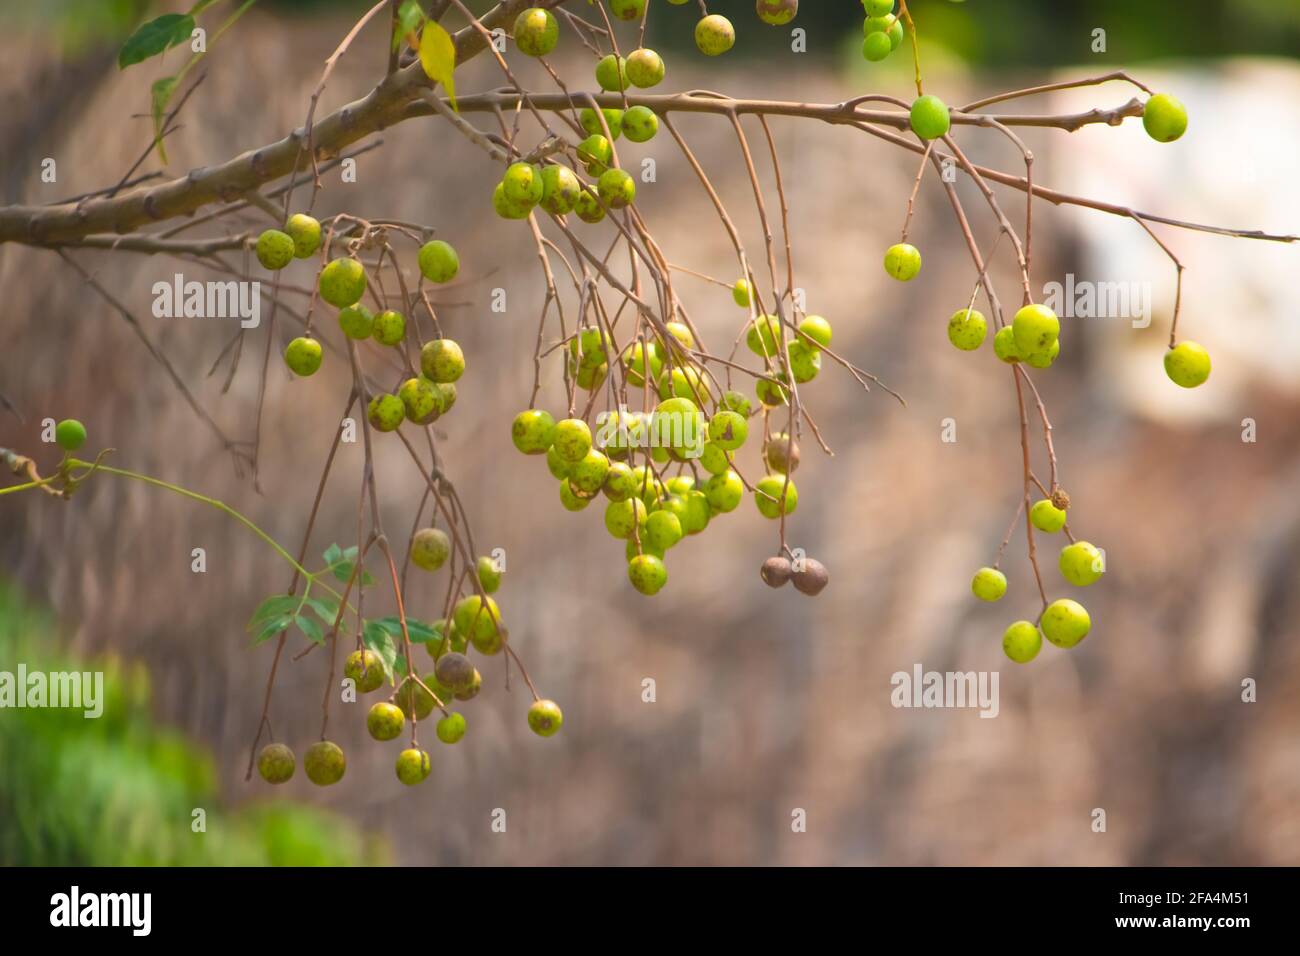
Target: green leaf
<point x="409" y="18"/>
<point x="272" y="627"/>
<point x="310" y="628"/>
<point x="438" y="57"/>
<point x="340" y="563"/>
<point x="420" y="632"/>
<point x="326" y="608"/>
<point x="159" y="94"/>
<point x="381" y="642"/>
<point x="154" y="37"/>
<point x="276" y="606"/>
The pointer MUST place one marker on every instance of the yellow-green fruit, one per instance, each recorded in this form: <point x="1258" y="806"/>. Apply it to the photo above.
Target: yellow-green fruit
<point x="389" y="327"/>
<point x="70" y="434"/>
<point x="451" y="728"/>
<point x="442" y="360"/>
<point x="728" y="430"/>
<point x="415" y="701"/>
<point x="591" y="122"/>
<point x="764" y="336"/>
<point x="356" y="321"/>
<point x="1164" y="118"/>
<point x="989" y="584"/>
<point x="274" y="249"/>
<point x="1065" y="623"/>
<point x="545" y="718"/>
<point x="438" y="261"/>
<point x="1021" y="642"/>
<point x="768" y="495"/>
<point x="342" y="283"/>
<point x="470" y="692"/>
<point x="777" y="13"/>
<point x="303" y="356"/>
<point x="805" y="361"/>
<point x="384" y="721"/>
<point x="740" y="293"/>
<point x="816" y="328"/>
<point x="647" y="572"/>
<point x="1045" y="516"/>
<point x="1082" y="563"/>
<point x="420" y="399"/>
<point x="966" y="329"/>
<point x="588" y="475"/>
<point x="430" y="549"/>
<point x="663" y="529"/>
<point x="572" y="439"/>
<point x="522" y="183"/>
<point x="714" y="35"/>
<point x="611" y="73"/>
<point x="624" y="516"/>
<point x="412" y="766"/>
<point x="489" y="575"/>
<point x="571" y="498"/>
<point x="477" y="621"/>
<point x="876" y="46"/>
<point x="596" y="152"/>
<point x="533" y="431"/>
<point x="1004" y="346"/>
<point x="645" y="68"/>
<point x="560" y="190"/>
<point x="305" y="232"/>
<point x="724" y="492"/>
<point x="640" y="124"/>
<point x="1044" y="358"/>
<point x="536" y="32"/>
<point x="588" y="207"/>
<point x="324" y="763"/>
<point x="505" y="208"/>
<point x="771" y="394"/>
<point x="276" y="763"/>
<point x="1035" y="327"/>
<point x="1187" y="364"/>
<point x="616" y="188"/>
<point x="781" y="454"/>
<point x="930" y="117"/>
<point x="903" y="261"/>
<point x="386" y="412"/>
<point x="366" y="670"/>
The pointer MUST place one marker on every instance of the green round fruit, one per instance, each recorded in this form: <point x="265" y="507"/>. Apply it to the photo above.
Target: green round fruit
<point x="619" y="483"/>
<point x="560" y="190"/>
<point x="389" y="327"/>
<point x="1082" y="563"/>
<point x="536" y="32"/>
<point x="489" y="575"/>
<point x="728" y="430"/>
<point x="305" y="232"/>
<point x="412" y="766"/>
<point x="588" y="475"/>
<point x="303" y="356"/>
<point x="623" y="517"/>
<point x="596" y="153"/>
<point x="781" y="454"/>
<point x="356" y="321"/>
<point x="342" y="283"/>
<point x="438" y="261"/>
<point x="1187" y="364"/>
<point x="1044" y="358"/>
<point x="966" y="329"/>
<point x="70" y="434"/>
<point x="572" y="439"/>
<point x="878" y="8"/>
<point x="1035" y="327"/>
<point x="324" y="763"/>
<point x="714" y="35"/>
<point x="366" y="670"/>
<point x="764" y="336"/>
<point x="384" y="721"/>
<point x="895" y="32"/>
<point x="557" y="466"/>
<point x="420" y="400"/>
<point x="640" y="124"/>
<point x="590" y="121"/>
<point x="771" y="394"/>
<point x="1045" y="516"/>
<point x="470" y="692"/>
<point x="611" y="73"/>
<point x="522" y="183"/>
<point x="454" y="670"/>
<point x="276" y="763"/>
<point x="724" y="491"/>
<point x="930" y="118"/>
<point x="989" y="584"/>
<point x="476" y="620"/>
<point x="876" y="46"/>
<point x="627" y="9"/>
<point x="533" y="431"/>
<point x="663" y="529"/>
<point x="1065" y="623"/>
<point x="274" y="249"/>
<point x="616" y="188"/>
<point x="430" y="549"/>
<point x="545" y="718"/>
<point x="415" y="702"/>
<point x="505" y="208"/>
<point x="386" y="412"/>
<point x="442" y="360"/>
<point x="647" y="573"/>
<point x="776" y="13"/>
<point x="1022" y="642"/>
<point x="817" y="329"/>
<point x="738" y="402"/>
<point x="805" y="361"/>
<point x="588" y="207"/>
<point x="740" y="293"/>
<point x="571" y="499"/>
<point x="645" y="68"/>
<point x="1004" y="346"/>
<point x="768" y="496"/>
<point x="451" y="728"/>
<point x="903" y="261"/>
<point x="1164" y="118"/>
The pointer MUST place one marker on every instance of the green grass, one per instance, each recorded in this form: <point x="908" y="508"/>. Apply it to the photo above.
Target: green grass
<point x="120" y="790"/>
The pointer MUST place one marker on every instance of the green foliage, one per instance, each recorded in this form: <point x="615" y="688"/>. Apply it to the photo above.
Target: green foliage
<point x="119" y="790"/>
<point x="154" y="37"/>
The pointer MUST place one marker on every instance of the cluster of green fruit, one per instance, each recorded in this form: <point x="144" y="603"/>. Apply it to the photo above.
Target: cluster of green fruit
<point x="1033" y="337"/>
<point x="882" y="31"/>
<point x="1064" y="622"/>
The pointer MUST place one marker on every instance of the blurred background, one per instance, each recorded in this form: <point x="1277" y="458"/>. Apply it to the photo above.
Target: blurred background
<point x="767" y="701"/>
